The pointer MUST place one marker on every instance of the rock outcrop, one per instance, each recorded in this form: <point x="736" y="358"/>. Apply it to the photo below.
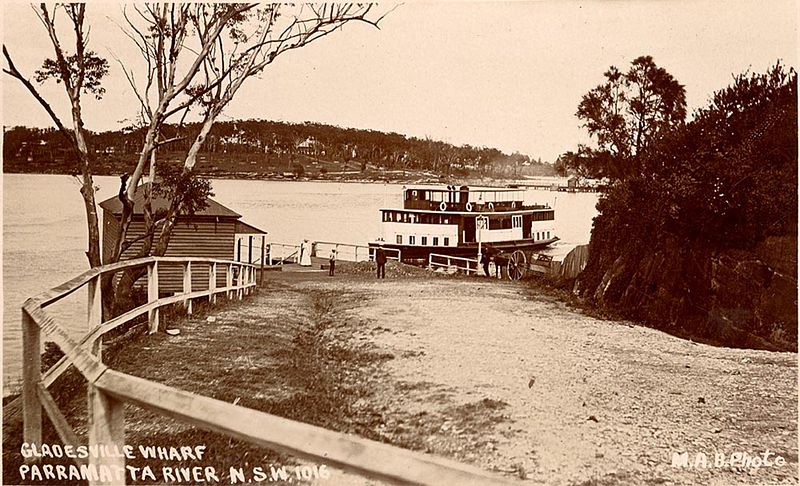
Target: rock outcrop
<point x="729" y="297"/>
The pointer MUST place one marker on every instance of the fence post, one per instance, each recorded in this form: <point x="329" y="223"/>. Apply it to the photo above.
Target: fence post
<point x="212" y="282"/>
<point x="240" y="282"/>
<point x="229" y="280"/>
<point x="106" y="428"/>
<point x="187" y="286"/>
<point x="152" y="295"/>
<point x="430" y="261"/>
<point x="262" y="260"/>
<point x="31" y="376"/>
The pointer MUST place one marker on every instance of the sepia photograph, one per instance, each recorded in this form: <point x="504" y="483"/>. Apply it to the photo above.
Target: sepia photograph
<point x="531" y="242"/>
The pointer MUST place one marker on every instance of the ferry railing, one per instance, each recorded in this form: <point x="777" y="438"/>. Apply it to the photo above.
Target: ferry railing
<point x="109" y="390"/>
<point x="436" y="260"/>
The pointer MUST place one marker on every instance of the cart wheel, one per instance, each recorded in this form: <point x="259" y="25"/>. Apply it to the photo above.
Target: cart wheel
<point x="517" y="265"/>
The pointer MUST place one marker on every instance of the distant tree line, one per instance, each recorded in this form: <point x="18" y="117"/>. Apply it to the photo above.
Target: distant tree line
<point x="390" y="151"/>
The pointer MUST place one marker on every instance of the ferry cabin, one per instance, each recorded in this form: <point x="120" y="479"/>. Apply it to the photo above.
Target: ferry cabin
<point x="453" y="220"/>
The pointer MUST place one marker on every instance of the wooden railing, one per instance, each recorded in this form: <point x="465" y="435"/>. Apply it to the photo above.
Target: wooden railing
<point x="352" y="253"/>
<point x="447" y="262"/>
<point x="279" y="253"/>
<point x="110" y="390"/>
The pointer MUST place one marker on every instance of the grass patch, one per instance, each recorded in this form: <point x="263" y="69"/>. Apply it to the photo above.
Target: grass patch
<point x="297" y="363"/>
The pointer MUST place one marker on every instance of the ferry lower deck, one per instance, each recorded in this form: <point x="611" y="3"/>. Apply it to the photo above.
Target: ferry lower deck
<point x="467" y="250"/>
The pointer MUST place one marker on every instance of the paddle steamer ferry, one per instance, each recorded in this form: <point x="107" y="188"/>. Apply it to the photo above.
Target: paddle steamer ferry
<point x="452" y="221"/>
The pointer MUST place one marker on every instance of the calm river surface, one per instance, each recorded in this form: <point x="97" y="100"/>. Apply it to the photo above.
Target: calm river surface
<point x="44" y="232"/>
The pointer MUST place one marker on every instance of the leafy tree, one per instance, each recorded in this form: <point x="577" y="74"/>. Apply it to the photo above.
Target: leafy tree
<point x="626" y="114"/>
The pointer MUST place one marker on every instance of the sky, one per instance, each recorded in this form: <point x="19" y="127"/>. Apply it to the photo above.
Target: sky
<point x="508" y="75"/>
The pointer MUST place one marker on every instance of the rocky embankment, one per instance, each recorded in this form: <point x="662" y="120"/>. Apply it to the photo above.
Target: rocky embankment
<point x="730" y="297"/>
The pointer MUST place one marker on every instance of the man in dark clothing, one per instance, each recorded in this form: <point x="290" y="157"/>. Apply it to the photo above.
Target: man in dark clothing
<point x="380" y="259"/>
<point x="332" y="263"/>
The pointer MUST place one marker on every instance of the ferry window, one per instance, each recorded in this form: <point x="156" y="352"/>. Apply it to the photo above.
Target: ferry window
<point x="446" y="241"/>
<point x="413" y="193"/>
<point x="424" y="240"/>
<point x="446" y="220"/>
<point x="435" y="241"/>
<point x="516" y="221"/>
<point x="412" y="218"/>
<point x="399" y="239"/>
<point x="411" y="240"/>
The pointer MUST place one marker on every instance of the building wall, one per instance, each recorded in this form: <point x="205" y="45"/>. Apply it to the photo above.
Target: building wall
<point x="207" y="238"/>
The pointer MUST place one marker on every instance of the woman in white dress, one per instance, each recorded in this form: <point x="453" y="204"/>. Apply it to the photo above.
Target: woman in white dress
<point x="305" y="254"/>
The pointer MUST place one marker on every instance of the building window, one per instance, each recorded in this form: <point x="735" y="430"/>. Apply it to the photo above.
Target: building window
<point x="424" y="241"/>
<point x="446" y="241"/>
<point x="435" y="241"/>
<point x="548" y="235"/>
<point x="411" y="240"/>
<point x="399" y="239"/>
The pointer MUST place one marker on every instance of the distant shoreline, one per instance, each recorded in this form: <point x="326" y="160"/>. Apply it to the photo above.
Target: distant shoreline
<point x="410" y="178"/>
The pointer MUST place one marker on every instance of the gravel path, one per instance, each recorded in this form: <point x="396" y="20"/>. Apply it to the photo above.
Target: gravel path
<point x="491" y="373"/>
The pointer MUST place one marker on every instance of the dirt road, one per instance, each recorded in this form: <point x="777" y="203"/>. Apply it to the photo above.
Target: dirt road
<point x="491" y="373"/>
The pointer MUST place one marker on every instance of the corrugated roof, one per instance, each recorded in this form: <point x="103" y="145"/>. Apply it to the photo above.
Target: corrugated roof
<point x="214" y="208"/>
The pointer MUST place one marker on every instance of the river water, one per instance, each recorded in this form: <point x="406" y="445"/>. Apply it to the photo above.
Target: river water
<point x="44" y="232"/>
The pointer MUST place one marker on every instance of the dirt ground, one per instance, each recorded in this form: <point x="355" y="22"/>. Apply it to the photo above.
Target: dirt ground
<point x="500" y="375"/>
<point x="496" y="374"/>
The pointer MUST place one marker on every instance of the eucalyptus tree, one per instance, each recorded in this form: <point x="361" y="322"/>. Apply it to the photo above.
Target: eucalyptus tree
<point x="626" y="113"/>
<point x="79" y="72"/>
<point x="196" y="57"/>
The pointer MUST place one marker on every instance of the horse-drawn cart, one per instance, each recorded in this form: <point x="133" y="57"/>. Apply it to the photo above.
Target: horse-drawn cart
<point x="519" y="264"/>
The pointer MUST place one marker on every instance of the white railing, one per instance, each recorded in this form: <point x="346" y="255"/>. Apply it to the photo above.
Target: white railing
<point x="278" y="252"/>
<point x="452" y="263"/>
<point x="344" y="251"/>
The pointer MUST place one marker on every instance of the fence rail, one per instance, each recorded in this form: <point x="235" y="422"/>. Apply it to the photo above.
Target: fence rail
<point x="352" y="253"/>
<point x="110" y="390"/>
<point x="468" y="265"/>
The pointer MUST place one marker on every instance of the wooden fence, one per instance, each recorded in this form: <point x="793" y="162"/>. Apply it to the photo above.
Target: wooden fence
<point x="448" y="262"/>
<point x="351" y="253"/>
<point x="110" y="390"/>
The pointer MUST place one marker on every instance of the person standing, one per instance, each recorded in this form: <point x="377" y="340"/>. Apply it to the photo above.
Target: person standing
<point x="485" y="258"/>
<point x="332" y="262"/>
<point x="305" y="254"/>
<point x="380" y="259"/>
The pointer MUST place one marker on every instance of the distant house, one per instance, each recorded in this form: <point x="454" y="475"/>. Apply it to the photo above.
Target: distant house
<point x="307" y="146"/>
<point x="214" y="232"/>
